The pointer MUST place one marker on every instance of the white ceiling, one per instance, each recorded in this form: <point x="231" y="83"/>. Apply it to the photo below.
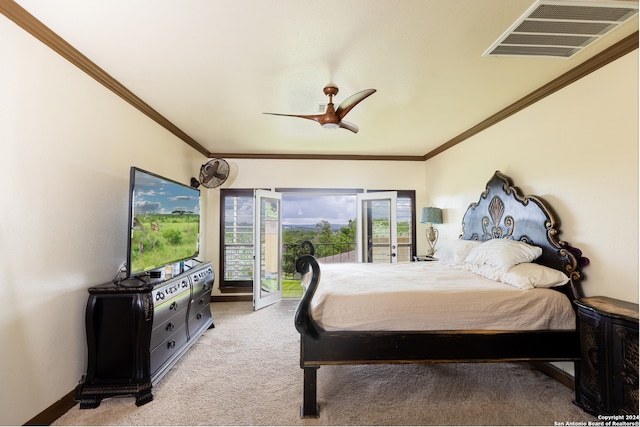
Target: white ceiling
<point x="212" y="67"/>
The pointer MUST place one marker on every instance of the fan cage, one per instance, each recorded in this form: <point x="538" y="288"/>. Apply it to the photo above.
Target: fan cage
<point x="213" y="182"/>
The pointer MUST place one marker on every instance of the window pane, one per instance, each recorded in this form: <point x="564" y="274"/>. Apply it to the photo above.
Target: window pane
<point x="404" y="215"/>
<point x="405" y="218"/>
<point x="238" y="236"/>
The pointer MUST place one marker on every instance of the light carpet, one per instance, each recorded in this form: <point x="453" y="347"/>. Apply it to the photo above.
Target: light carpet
<point x="246" y="371"/>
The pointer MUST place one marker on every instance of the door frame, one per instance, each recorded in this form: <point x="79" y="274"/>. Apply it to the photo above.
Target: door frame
<point x="262" y="299"/>
<point x="391" y="197"/>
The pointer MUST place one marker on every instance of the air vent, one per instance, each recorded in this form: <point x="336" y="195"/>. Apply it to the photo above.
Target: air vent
<point x="560" y="29"/>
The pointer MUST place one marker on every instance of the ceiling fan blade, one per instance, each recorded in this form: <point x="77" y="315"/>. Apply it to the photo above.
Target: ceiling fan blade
<point x="346" y="105"/>
<point x="350" y="126"/>
<point x="314" y="117"/>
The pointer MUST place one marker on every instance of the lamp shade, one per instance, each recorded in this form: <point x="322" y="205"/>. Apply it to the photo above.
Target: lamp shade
<point x="431" y="215"/>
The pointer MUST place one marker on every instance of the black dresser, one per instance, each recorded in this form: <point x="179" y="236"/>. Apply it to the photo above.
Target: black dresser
<point x="607" y="375"/>
<point x="137" y="331"/>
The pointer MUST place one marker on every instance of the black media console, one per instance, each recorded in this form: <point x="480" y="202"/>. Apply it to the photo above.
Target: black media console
<point x="137" y="331"/>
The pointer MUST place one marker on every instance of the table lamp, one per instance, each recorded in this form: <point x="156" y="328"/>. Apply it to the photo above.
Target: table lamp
<point x="431" y="216"/>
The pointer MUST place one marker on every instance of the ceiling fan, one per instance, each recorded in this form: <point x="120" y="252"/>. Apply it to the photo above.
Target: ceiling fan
<point x="332" y="118"/>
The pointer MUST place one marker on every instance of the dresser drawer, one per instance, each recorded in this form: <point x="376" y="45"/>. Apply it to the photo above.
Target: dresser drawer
<point x="167" y="348"/>
<point x="170" y="299"/>
<point x="202" y="282"/>
<point x="164" y="330"/>
<point x="199" y="303"/>
<point x="200" y="316"/>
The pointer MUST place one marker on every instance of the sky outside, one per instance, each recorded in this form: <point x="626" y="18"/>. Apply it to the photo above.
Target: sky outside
<point x="155" y="195"/>
<point x="311" y="209"/>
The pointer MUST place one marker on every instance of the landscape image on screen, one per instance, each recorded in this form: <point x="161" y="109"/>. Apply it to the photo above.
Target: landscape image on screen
<point x="165" y="222"/>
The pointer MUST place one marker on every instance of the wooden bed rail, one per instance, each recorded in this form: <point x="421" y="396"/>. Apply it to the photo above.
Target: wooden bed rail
<point x="310" y="270"/>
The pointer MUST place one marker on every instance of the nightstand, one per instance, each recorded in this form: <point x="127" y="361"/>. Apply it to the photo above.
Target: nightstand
<point x="607" y="374"/>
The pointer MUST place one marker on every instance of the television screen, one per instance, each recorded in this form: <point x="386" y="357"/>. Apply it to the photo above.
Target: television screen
<point x="164" y="222"/>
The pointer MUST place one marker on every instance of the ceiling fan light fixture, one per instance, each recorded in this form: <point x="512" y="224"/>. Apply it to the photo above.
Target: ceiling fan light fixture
<point x="332" y="118"/>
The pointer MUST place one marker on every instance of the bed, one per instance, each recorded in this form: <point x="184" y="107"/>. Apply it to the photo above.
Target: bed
<point x="371" y="313"/>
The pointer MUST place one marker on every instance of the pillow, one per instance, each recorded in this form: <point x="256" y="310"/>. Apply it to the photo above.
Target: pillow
<point x="485" y="270"/>
<point x="524" y="276"/>
<point x="502" y="253"/>
<point x="528" y="275"/>
<point x="454" y="252"/>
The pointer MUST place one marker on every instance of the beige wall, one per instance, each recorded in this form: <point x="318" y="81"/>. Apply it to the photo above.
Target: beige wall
<point x="66" y="146"/>
<point x="578" y="149"/>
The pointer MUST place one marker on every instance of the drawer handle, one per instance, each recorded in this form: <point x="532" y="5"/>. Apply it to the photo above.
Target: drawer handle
<point x="173" y="306"/>
<point x="171" y="344"/>
<point x="170" y="326"/>
<point x="199" y="316"/>
<point x="201" y="302"/>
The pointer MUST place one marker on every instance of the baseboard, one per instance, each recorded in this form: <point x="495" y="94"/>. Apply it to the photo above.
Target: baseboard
<point x="55" y="411"/>
<point x="231" y="298"/>
<point x="556" y="373"/>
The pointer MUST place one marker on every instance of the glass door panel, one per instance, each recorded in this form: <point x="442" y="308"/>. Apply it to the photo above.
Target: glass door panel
<point x="377" y="236"/>
<point x="267" y="280"/>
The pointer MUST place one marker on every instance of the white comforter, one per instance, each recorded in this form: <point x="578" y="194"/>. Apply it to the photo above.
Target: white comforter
<point x="431" y="296"/>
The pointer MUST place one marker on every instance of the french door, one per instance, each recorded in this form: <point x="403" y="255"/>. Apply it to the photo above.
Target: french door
<point x="267" y="277"/>
<point x="377" y="234"/>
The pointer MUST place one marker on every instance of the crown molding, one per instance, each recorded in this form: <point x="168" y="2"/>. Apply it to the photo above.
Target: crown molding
<point x="316" y="157"/>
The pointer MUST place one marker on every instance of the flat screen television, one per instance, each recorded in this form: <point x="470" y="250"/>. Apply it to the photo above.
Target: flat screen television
<point x="164" y="222"/>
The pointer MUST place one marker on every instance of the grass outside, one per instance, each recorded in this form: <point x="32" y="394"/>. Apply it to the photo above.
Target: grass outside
<point x="291" y="288"/>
